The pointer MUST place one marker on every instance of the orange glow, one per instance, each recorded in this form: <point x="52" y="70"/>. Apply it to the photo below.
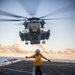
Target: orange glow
<point x="16" y="50"/>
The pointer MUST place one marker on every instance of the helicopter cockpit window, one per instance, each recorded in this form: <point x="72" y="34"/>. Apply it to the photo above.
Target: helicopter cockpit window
<point x="34" y="20"/>
<point x="34" y="26"/>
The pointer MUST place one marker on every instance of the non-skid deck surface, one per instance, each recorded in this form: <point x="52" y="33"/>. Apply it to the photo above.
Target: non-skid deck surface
<point x="27" y="68"/>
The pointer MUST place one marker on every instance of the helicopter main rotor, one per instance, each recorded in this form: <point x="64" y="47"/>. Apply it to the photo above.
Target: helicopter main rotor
<point x="67" y="8"/>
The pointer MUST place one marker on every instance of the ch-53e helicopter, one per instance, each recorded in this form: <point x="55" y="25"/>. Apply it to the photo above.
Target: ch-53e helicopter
<point x="35" y="32"/>
<point x="35" y="25"/>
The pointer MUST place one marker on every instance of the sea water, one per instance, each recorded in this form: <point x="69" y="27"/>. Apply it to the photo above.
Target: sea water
<point x="5" y="59"/>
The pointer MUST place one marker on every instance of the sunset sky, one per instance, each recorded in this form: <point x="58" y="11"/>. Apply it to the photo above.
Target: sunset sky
<point x="62" y="31"/>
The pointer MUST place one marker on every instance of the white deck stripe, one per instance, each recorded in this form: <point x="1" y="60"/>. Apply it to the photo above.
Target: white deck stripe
<point x="17" y="70"/>
<point x="33" y="72"/>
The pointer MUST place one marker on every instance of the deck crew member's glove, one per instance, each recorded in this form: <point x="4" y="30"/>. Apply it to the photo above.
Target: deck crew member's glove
<point x="49" y="60"/>
<point x="26" y="57"/>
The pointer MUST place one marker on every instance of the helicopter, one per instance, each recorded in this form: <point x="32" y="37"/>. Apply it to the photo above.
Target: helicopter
<point x="35" y="34"/>
<point x="35" y="25"/>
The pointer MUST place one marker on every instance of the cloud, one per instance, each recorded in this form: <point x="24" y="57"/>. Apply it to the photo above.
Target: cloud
<point x="69" y="51"/>
<point x="43" y="48"/>
<point x="66" y="51"/>
<point x="60" y="52"/>
<point x="52" y="52"/>
<point x="15" y="48"/>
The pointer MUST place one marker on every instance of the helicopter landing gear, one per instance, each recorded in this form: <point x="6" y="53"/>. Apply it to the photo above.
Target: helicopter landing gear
<point x="26" y="43"/>
<point x="43" y="42"/>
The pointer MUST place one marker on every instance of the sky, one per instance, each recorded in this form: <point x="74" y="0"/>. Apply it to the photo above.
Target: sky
<point x="62" y="30"/>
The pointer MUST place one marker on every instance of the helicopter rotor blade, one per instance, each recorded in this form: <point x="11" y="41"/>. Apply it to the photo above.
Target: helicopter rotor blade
<point x="12" y="20"/>
<point x="19" y="24"/>
<point x="30" y="5"/>
<point x="10" y="14"/>
<point x="61" y="10"/>
<point x="66" y="18"/>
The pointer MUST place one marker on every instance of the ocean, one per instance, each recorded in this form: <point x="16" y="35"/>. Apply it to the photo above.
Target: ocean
<point x="5" y="59"/>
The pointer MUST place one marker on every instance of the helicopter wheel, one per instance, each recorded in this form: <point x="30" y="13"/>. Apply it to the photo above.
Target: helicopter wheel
<point x="26" y="43"/>
<point x="43" y="42"/>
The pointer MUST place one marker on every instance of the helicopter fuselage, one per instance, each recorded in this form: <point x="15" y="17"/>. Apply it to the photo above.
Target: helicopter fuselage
<point x="35" y="33"/>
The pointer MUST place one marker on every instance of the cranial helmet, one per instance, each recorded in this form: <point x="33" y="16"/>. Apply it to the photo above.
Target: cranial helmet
<point x="37" y="50"/>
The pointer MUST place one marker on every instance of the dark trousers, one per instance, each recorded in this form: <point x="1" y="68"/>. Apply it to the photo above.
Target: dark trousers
<point x="38" y="70"/>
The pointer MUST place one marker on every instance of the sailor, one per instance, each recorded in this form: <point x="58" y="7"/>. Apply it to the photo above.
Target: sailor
<point x="38" y="61"/>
